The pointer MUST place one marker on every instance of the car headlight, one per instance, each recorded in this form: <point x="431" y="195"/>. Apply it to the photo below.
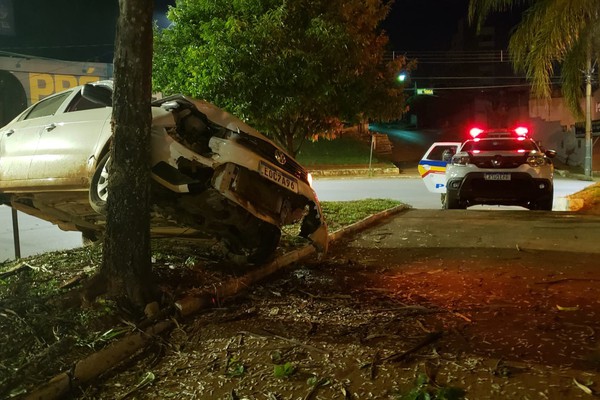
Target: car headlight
<point x="536" y="160"/>
<point x="461" y="159"/>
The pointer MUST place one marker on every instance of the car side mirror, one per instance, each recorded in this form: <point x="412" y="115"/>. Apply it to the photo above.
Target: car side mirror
<point x="550" y="153"/>
<point x="97" y="94"/>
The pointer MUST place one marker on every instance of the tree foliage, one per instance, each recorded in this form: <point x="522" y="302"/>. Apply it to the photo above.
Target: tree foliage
<point x="553" y="34"/>
<point x="293" y="69"/>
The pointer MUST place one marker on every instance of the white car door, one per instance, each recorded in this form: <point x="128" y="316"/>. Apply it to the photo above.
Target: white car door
<point x="17" y="145"/>
<point x="65" y="152"/>
<point x="19" y="140"/>
<point x="432" y="166"/>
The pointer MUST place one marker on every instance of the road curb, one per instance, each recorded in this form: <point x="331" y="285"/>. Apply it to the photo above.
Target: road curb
<point x="567" y="204"/>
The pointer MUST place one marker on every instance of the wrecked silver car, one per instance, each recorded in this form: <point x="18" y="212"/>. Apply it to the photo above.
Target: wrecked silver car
<point x="213" y="175"/>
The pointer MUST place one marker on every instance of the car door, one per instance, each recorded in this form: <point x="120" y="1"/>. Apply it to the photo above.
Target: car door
<point x="19" y="140"/>
<point x="65" y="152"/>
<point x="432" y="166"/>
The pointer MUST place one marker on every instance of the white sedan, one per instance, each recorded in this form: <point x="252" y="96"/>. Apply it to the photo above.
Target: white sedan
<point x="213" y="175"/>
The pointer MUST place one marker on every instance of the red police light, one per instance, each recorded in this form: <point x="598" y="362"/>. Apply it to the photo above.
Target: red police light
<point x="474" y="132"/>
<point x="521" y="131"/>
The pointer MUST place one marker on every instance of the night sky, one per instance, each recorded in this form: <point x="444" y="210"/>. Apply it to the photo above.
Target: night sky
<point x="83" y="30"/>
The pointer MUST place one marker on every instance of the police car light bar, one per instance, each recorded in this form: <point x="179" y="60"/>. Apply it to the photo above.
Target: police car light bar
<point x="521" y="131"/>
<point x="474" y="132"/>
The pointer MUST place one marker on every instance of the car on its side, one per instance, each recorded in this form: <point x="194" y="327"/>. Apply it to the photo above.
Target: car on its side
<point x="495" y="167"/>
<point x="213" y="175"/>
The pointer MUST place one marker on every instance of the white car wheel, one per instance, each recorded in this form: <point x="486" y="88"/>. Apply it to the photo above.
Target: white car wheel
<point x="99" y="185"/>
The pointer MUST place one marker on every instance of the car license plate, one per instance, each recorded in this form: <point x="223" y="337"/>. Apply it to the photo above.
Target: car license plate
<point x="496" y="176"/>
<point x="278" y="177"/>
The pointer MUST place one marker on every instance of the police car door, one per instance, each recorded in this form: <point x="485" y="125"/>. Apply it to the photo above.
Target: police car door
<point x="432" y="166"/>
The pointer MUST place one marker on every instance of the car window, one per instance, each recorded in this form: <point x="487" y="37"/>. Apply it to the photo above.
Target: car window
<point x="438" y="152"/>
<point x="46" y="107"/>
<point x="499" y="145"/>
<point x="80" y="103"/>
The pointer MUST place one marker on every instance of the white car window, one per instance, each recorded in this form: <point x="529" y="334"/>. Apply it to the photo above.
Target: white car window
<point x="47" y="106"/>
<point x="80" y="103"/>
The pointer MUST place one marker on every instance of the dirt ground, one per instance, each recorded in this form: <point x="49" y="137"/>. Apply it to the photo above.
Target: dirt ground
<point x="502" y="305"/>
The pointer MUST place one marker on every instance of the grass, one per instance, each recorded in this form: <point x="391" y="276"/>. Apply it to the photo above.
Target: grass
<point x="339" y="214"/>
<point x="343" y="151"/>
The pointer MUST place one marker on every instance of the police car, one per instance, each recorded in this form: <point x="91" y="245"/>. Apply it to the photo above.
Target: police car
<point x="494" y="166"/>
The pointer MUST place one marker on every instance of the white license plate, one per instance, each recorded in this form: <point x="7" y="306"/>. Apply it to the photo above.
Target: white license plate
<point x="496" y="176"/>
<point x="278" y="177"/>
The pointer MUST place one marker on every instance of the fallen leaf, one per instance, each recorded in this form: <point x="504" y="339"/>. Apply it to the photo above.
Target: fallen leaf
<point x="561" y="308"/>
<point x="581" y="386"/>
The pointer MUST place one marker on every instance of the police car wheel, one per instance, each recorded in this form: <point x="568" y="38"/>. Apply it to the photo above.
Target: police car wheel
<point x="452" y="202"/>
<point x="544" y="203"/>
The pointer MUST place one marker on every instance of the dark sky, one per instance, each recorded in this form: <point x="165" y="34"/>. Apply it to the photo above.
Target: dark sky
<point x="416" y="25"/>
<point x="83" y="30"/>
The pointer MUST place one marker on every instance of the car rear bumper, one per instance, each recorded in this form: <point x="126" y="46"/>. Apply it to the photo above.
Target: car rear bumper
<point x="521" y="189"/>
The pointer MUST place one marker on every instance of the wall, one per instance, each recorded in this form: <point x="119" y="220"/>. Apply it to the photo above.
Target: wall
<point x="37" y="78"/>
<point x="554" y="125"/>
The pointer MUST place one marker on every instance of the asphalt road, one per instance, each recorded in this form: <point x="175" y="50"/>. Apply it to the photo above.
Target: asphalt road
<point x="411" y="190"/>
<point x="38" y="236"/>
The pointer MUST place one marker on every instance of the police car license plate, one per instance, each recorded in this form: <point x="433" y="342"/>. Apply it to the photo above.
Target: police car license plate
<point x="278" y="177"/>
<point x="496" y="176"/>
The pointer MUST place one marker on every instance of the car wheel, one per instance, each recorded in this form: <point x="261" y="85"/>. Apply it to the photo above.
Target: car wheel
<point x="99" y="185"/>
<point x="267" y="244"/>
<point x="544" y="203"/>
<point x="89" y="238"/>
<point x="452" y="202"/>
<point x="255" y="248"/>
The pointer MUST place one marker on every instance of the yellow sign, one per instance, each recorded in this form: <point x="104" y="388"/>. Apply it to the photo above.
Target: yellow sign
<point x="42" y="85"/>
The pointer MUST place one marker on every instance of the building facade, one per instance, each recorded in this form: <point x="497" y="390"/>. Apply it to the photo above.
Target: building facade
<point x="25" y="80"/>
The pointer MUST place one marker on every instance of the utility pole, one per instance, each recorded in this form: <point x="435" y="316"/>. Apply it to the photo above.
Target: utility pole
<point x="588" y="114"/>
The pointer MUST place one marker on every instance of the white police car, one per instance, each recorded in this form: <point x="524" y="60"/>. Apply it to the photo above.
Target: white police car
<point x="494" y="166"/>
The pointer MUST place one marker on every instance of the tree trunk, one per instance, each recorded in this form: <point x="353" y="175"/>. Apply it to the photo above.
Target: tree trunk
<point x="126" y="270"/>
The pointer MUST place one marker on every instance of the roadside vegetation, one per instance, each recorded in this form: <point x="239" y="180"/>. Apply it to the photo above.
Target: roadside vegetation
<point x="45" y="327"/>
<point x="340" y="152"/>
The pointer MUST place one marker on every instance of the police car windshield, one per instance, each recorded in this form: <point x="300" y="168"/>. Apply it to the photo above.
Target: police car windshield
<point x="508" y="144"/>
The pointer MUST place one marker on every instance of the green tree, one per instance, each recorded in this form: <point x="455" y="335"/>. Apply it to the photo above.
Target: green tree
<point x="293" y="69"/>
<point x="551" y="34"/>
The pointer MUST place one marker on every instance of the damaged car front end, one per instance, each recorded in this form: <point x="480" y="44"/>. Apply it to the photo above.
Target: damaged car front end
<point x="217" y="175"/>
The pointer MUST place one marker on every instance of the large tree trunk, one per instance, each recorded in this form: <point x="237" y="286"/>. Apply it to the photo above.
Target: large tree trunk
<point x="126" y="270"/>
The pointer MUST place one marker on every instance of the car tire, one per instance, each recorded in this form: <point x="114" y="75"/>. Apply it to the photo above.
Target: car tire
<point x="89" y="238"/>
<point x="99" y="186"/>
<point x="268" y="242"/>
<point x="253" y="249"/>
<point x="544" y="203"/>
<point x="451" y="202"/>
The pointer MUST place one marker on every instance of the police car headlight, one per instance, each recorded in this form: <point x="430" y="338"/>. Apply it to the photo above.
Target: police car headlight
<point x="536" y="160"/>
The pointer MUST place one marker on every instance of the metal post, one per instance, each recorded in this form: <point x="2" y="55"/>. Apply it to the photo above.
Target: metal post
<point x="15" y="223"/>
<point x="588" y="116"/>
<point x="371" y="154"/>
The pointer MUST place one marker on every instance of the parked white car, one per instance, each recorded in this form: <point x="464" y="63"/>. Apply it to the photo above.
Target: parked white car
<point x="213" y="175"/>
<point x="494" y="166"/>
